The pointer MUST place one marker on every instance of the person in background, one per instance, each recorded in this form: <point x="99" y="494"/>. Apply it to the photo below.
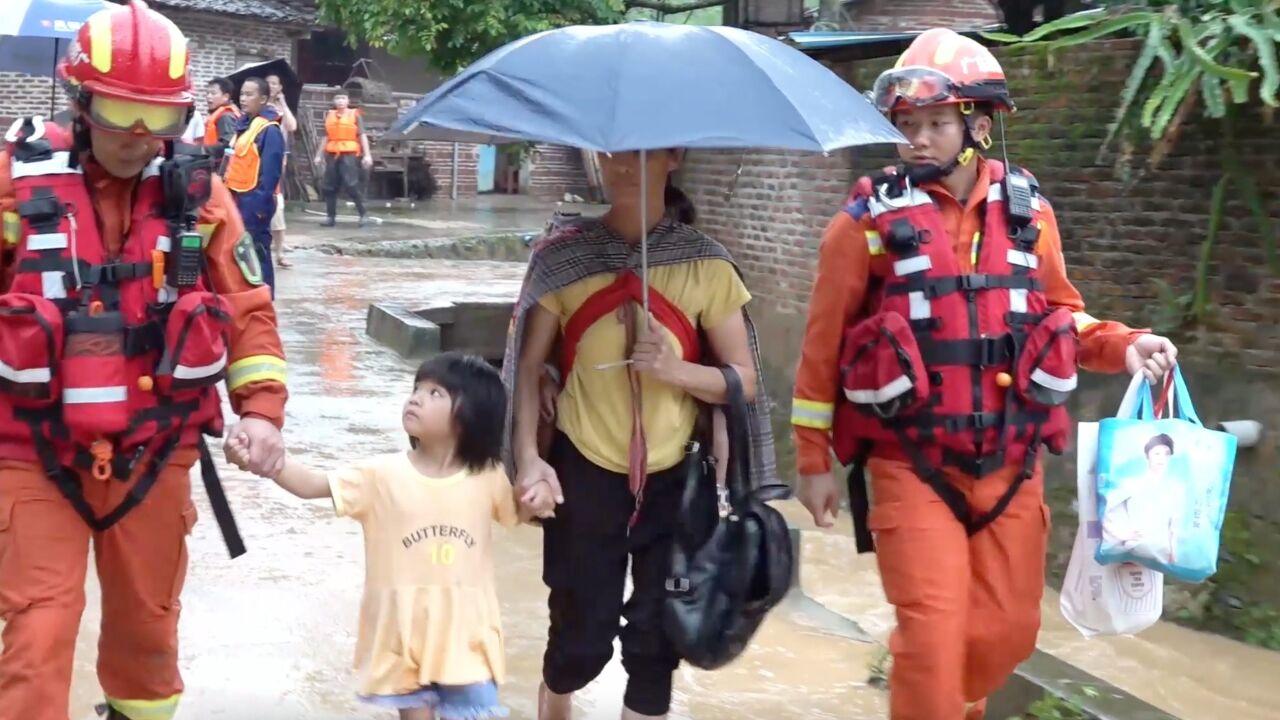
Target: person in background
<point x="289" y="124"/>
<point x="254" y="169"/>
<point x="346" y="143"/>
<point x="220" y="128"/>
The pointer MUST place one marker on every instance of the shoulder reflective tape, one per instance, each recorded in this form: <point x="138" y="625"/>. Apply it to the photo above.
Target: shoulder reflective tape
<point x="58" y="164"/>
<point x="995" y="193"/>
<point x="47" y="241"/>
<point x="874" y="244"/>
<point x="94" y="395"/>
<point x="1083" y="320"/>
<point x="912" y="265"/>
<point x="12" y="228"/>
<point x="812" y="414"/>
<point x="186" y="372"/>
<point x="255" y="368"/>
<point x="164" y="244"/>
<point x="146" y="709"/>
<point x="22" y="377"/>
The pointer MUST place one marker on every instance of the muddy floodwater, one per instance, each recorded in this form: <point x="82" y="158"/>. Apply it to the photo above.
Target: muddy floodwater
<point x="269" y="636"/>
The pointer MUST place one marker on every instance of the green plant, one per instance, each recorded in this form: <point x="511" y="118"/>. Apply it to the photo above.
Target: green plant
<point x="1054" y="707"/>
<point x="880" y="665"/>
<point x="1195" y="54"/>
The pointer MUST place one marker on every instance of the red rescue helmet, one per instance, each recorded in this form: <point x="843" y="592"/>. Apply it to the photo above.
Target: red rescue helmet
<point x="127" y="67"/>
<point x="942" y="67"/>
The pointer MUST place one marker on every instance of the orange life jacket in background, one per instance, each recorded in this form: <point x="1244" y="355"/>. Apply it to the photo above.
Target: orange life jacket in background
<point x="342" y="132"/>
<point x="99" y="356"/>
<point x="211" y="125"/>
<point x="965" y="370"/>
<point x="246" y="160"/>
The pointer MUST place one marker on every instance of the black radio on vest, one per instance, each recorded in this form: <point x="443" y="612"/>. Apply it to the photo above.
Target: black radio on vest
<point x="186" y="177"/>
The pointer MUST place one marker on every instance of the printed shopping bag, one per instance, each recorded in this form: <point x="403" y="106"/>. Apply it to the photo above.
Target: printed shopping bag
<point x="1119" y="599"/>
<point x="1163" y="487"/>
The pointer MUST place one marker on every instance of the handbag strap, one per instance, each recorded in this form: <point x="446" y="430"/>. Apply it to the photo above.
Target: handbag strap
<point x="737" y="421"/>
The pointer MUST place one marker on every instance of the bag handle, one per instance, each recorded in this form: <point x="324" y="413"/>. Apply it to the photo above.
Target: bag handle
<point x="1182" y="397"/>
<point x="737" y="421"/>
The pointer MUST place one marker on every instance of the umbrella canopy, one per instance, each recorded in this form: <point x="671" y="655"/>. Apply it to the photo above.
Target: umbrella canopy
<point x="279" y="67"/>
<point x="47" y="18"/>
<point x="647" y="86"/>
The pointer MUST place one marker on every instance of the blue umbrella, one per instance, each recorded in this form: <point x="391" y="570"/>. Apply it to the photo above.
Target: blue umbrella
<point x="38" y="32"/>
<point x="47" y="18"/>
<point x="647" y="86"/>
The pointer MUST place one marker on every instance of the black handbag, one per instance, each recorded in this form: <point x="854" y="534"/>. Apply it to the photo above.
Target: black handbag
<point x="732" y="555"/>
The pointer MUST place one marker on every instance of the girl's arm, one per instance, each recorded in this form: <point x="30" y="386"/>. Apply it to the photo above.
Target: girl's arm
<point x="303" y="481"/>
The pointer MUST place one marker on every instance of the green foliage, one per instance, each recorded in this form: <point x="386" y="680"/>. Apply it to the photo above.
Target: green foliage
<point x="1211" y="54"/>
<point x="1193" y="49"/>
<point x="453" y="33"/>
<point x="1052" y="707"/>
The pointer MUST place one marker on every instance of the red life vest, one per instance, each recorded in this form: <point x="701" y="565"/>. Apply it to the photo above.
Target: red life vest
<point x="965" y="370"/>
<point x="626" y="288"/>
<point x="99" y="357"/>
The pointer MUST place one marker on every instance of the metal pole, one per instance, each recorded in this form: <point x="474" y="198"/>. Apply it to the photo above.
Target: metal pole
<point x="644" y="240"/>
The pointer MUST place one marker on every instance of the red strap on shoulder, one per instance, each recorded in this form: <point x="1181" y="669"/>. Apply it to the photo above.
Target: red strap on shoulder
<point x="604" y="301"/>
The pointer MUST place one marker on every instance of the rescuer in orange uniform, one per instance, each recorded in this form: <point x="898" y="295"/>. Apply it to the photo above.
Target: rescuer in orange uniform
<point x="130" y="291"/>
<point x="345" y="142"/>
<point x="942" y="341"/>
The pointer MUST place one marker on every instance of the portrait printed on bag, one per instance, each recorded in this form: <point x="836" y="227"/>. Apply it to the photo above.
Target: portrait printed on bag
<point x="1161" y="488"/>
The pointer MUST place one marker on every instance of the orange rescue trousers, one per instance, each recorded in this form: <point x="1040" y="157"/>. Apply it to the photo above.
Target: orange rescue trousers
<point x="141" y="564"/>
<point x="968" y="608"/>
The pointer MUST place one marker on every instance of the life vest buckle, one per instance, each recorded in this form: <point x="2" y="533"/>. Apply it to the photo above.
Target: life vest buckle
<point x="995" y="351"/>
<point x="974" y="281"/>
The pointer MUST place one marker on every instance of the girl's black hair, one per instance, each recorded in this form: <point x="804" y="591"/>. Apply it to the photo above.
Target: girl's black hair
<point x="479" y="405"/>
<point x="679" y="207"/>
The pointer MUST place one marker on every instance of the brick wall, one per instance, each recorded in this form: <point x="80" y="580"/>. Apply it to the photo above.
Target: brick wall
<point x="781" y="203"/>
<point x="216" y="41"/>
<point x="557" y="170"/>
<point x="867" y="15"/>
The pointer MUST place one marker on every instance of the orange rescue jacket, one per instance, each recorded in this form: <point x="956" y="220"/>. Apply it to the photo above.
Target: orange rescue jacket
<point x="343" y="132"/>
<point x="246" y="161"/>
<point x="848" y="265"/>
<point x="256" y="360"/>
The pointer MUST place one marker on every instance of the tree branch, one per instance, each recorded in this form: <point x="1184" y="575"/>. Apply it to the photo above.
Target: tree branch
<point x="673" y="8"/>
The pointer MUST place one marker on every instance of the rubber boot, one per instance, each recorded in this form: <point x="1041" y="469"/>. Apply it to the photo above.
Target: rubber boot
<point x="331" y="210"/>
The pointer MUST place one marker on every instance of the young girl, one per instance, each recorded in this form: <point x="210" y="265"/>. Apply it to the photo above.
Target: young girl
<point x="430" y="641"/>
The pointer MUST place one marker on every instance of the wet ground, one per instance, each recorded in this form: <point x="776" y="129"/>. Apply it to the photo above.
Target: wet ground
<point x="269" y="636"/>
